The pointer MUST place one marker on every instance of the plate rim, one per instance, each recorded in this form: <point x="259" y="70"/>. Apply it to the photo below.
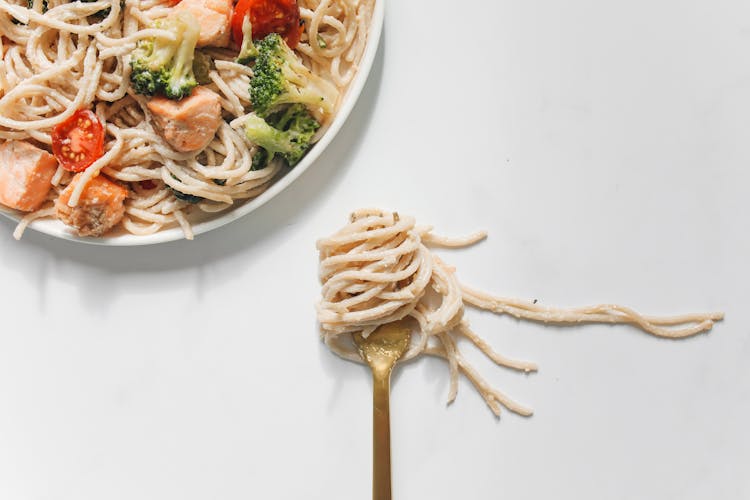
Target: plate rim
<point x="58" y="230"/>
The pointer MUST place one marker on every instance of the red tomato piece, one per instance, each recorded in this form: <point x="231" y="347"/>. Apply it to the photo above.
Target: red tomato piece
<point x="268" y="16"/>
<point x="78" y="141"/>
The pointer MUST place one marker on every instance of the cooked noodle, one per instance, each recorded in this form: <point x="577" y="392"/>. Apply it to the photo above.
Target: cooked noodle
<point x="379" y="269"/>
<point x="53" y="63"/>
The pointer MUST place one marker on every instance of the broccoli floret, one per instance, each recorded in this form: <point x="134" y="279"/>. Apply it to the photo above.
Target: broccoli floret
<point x="288" y="133"/>
<point x="261" y="159"/>
<point x="279" y="77"/>
<point x="294" y="117"/>
<point x="164" y="66"/>
<point x="202" y="64"/>
<point x="248" y="50"/>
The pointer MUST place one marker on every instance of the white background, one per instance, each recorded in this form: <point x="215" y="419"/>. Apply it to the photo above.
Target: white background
<point x="605" y="147"/>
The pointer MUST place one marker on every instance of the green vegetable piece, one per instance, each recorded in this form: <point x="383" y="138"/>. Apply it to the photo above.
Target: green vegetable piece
<point x="101" y="14"/>
<point x="186" y="197"/>
<point x="279" y="77"/>
<point x="202" y="64"/>
<point x="248" y="50"/>
<point x="165" y="67"/>
<point x="190" y="198"/>
<point x="261" y="159"/>
<point x="288" y="134"/>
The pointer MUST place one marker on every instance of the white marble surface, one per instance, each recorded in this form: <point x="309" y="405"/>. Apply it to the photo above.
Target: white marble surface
<point x="603" y="145"/>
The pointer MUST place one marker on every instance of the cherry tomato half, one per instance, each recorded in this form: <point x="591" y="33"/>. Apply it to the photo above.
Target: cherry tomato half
<point x="268" y="16"/>
<point x="78" y="141"/>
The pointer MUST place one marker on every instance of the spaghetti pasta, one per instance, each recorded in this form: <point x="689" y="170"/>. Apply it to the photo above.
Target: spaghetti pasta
<point x="379" y="268"/>
<point x="66" y="58"/>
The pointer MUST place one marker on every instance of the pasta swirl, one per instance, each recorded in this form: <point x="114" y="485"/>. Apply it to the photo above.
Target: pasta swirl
<point x="379" y="268"/>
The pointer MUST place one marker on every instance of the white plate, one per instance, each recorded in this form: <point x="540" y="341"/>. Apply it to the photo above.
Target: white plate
<point x="207" y="222"/>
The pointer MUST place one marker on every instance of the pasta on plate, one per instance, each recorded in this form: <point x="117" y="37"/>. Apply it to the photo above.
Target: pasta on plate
<point x="132" y="114"/>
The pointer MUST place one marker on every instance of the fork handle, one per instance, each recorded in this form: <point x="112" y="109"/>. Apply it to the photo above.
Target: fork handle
<point x="381" y="435"/>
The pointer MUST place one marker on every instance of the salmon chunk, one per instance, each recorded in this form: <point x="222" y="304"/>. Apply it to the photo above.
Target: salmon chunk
<point x="100" y="207"/>
<point x="188" y="124"/>
<point x="213" y="16"/>
<point x="25" y="175"/>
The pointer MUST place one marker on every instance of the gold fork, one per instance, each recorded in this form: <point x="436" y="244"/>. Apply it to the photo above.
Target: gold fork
<point x="381" y="349"/>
